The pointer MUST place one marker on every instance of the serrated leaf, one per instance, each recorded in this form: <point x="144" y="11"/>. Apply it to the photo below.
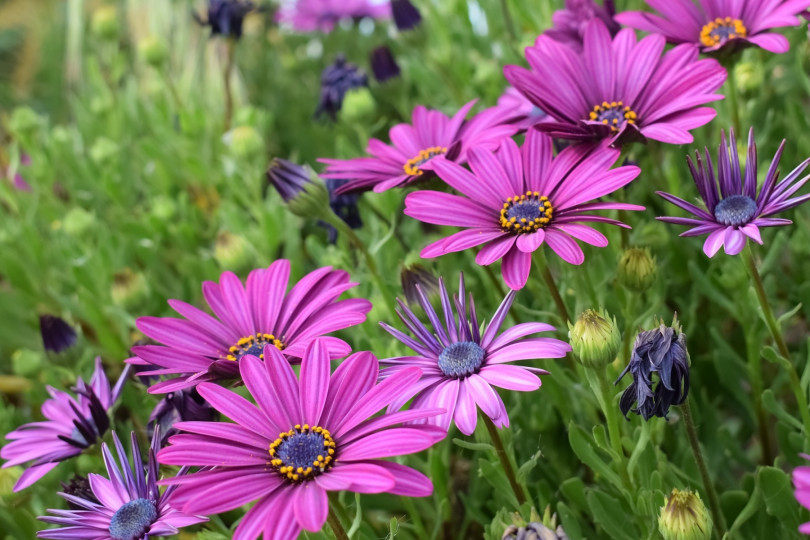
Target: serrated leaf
<point x="777" y="493"/>
<point x="609" y="514"/>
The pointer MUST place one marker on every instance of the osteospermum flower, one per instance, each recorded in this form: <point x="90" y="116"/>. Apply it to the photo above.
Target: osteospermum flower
<point x="570" y="23"/>
<point x="415" y="145"/>
<point x="619" y="89"/>
<point x="518" y="110"/>
<point x="720" y="26"/>
<point x="516" y="200"/>
<point x="72" y="425"/>
<point x="801" y="481"/>
<point x="127" y="505"/>
<point x="248" y="317"/>
<point x="461" y="365"/>
<point x="735" y="211"/>
<point x="308" y="435"/>
<point x="323" y="15"/>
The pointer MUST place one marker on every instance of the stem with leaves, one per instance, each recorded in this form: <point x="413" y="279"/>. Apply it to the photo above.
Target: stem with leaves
<point x="503" y="457"/>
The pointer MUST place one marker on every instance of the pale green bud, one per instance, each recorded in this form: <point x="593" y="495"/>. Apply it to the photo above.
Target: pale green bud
<point x="637" y="269"/>
<point x="232" y="251"/>
<point x="357" y="105"/>
<point x="25" y="362"/>
<point x="312" y="201"/>
<point x="244" y="141"/>
<point x="77" y="221"/>
<point x="104" y="23"/>
<point x="595" y="338"/>
<point x="749" y="76"/>
<point x="129" y="288"/>
<point x="153" y="51"/>
<point x="684" y="517"/>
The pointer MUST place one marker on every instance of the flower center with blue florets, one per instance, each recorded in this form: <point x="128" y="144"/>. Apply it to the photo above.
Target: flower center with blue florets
<point x="253" y="345"/>
<point x="614" y="114"/>
<point x="302" y="453"/>
<point x="411" y="166"/>
<point x="459" y="360"/>
<point x="526" y="213"/>
<point x="721" y="30"/>
<point x="133" y="520"/>
<point x="735" y="210"/>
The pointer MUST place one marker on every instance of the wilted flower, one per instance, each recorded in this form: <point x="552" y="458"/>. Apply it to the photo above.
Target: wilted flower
<point x="414" y="278"/>
<point x="595" y="338"/>
<point x="383" y="64"/>
<point x="232" y="251"/>
<point x="185" y="405"/>
<point x="637" y="269"/>
<point x="226" y="17"/>
<point x="661" y="351"/>
<point x="57" y="335"/>
<point x="129" y="288"/>
<point x="684" y="517"/>
<point x="534" y="531"/>
<point x="336" y="80"/>
<point x="406" y="16"/>
<point x="801" y="481"/>
<point x="79" y="487"/>
<point x="570" y="23"/>
<point x="17" y="179"/>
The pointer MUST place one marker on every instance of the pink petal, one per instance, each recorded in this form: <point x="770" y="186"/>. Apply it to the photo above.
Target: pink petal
<point x="314" y="381"/>
<point x="564" y="246"/>
<point x="714" y="242"/>
<point x="310" y="505"/>
<point x="495" y="250"/>
<point x="528" y="243"/>
<point x="466" y="415"/>
<point x="734" y="242"/>
<point x="510" y="377"/>
<point x="515" y="268"/>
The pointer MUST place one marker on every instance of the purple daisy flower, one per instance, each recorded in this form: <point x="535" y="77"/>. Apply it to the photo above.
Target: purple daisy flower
<point x="127" y="505"/>
<point x="720" y="25"/>
<point x="72" y="425"/>
<point x="518" y="199"/>
<point x="518" y="110"/>
<point x="801" y="481"/>
<point x="430" y="134"/>
<point x="736" y="211"/>
<point x="308" y="435"/>
<point x="619" y="89"/>
<point x="323" y="15"/>
<point x="202" y="348"/>
<point x="461" y="365"/>
<point x="570" y="23"/>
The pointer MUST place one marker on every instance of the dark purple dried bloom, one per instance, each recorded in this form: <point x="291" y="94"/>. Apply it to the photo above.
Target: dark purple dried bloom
<point x="661" y="351"/>
<point x="336" y="81"/>
<point x="225" y="17"/>
<point x="415" y="278"/>
<point x="345" y="206"/>
<point x="57" y="335"/>
<point x="383" y="64"/>
<point x="533" y="531"/>
<point x="78" y="486"/>
<point x="406" y="16"/>
<point x="288" y="178"/>
<point x="185" y="405"/>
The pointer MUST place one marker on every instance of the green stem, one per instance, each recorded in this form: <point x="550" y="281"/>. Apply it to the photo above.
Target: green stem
<point x="226" y="76"/>
<point x="776" y="333"/>
<point x="167" y="79"/>
<point x="601" y="387"/>
<point x="733" y="103"/>
<point x="714" y="502"/>
<point x="334" y="523"/>
<point x="507" y="21"/>
<point x="504" y="459"/>
<point x="552" y="287"/>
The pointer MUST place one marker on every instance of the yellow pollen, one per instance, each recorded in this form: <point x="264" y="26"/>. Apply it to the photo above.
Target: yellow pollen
<point x="721" y="30"/>
<point x="411" y="166"/>
<point x="529" y="213"/>
<point x="322" y="463"/>
<point x="613" y="114"/>
<point x="243" y="345"/>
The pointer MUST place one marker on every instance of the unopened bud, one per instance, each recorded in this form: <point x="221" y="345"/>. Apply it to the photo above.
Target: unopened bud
<point x="244" y="141"/>
<point x="129" y="288"/>
<point x="637" y="269"/>
<point x="595" y="338"/>
<point x="232" y="251"/>
<point x="105" y="23"/>
<point x="153" y="51"/>
<point x="684" y="517"/>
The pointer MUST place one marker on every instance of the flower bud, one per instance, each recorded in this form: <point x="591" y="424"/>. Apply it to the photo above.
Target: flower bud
<point x="105" y="23"/>
<point x="129" y="288"/>
<point x="153" y="51"/>
<point x="25" y="362"/>
<point x="305" y="194"/>
<point x="684" y="517"/>
<point x="244" y="142"/>
<point x="595" y="338"/>
<point x="749" y="76"/>
<point x="78" y="221"/>
<point x="312" y="202"/>
<point x="232" y="251"/>
<point x="637" y="269"/>
<point x="357" y="105"/>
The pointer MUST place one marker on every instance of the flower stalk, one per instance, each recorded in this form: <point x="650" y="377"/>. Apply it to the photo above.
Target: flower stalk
<point x="334" y="522"/>
<point x="503" y="457"/>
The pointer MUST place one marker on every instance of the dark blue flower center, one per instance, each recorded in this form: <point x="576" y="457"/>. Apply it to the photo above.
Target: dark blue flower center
<point x="735" y="210"/>
<point x="253" y="345"/>
<point x="132" y="521"/>
<point x="526" y="213"/>
<point x="614" y="114"/>
<point x="459" y="360"/>
<point x="721" y="30"/>
<point x="303" y="452"/>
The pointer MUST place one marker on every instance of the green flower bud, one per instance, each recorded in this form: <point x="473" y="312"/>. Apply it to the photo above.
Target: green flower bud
<point x="312" y="201"/>
<point x="637" y="269"/>
<point x="77" y="221"/>
<point x="244" y="142"/>
<point x="357" y="105"/>
<point x="25" y="362"/>
<point x="24" y="120"/>
<point x="595" y="338"/>
<point x="129" y="288"/>
<point x="102" y="150"/>
<point x="749" y="76"/>
<point x="104" y="23"/>
<point x="163" y="207"/>
<point x="684" y="517"/>
<point x="232" y="251"/>
<point x="153" y="51"/>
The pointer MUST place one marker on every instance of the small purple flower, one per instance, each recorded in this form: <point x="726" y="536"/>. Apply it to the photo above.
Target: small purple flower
<point x="323" y="15"/>
<point x="383" y="64"/>
<point x="720" y="26"/>
<point x="226" y="17"/>
<point x="185" y="405"/>
<point x="735" y="210"/>
<point x="461" y="364"/>
<point x="516" y="200"/>
<point x="202" y="348"/>
<point x="518" y="110"/>
<point x="415" y="146"/>
<point x="406" y="16"/>
<point x="344" y="206"/>
<point x="336" y="81"/>
<point x="57" y="335"/>
<point x="801" y="481"/>
<point x="288" y="178"/>
<point x="306" y="435"/>
<point x="72" y="425"/>
<point x="570" y="23"/>
<point x="618" y="89"/>
<point x="127" y="505"/>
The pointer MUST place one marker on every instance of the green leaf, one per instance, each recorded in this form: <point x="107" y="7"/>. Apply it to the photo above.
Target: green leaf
<point x="600" y="437"/>
<point x="585" y="451"/>
<point x="770" y="354"/>
<point x="775" y="408"/>
<point x="787" y="315"/>
<point x="609" y="514"/>
<point x="495" y="476"/>
<point x="753" y="506"/>
<point x="777" y="493"/>
<point x="478" y="447"/>
<point x="569" y="522"/>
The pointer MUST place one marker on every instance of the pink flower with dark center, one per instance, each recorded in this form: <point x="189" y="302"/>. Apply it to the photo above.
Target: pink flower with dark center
<point x="323" y="15"/>
<point x="570" y="23"/>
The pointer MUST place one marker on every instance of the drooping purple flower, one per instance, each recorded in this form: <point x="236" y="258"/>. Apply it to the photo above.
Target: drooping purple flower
<point x="516" y="200"/>
<point x="344" y="206"/>
<point x="570" y="23"/>
<point x="126" y="505"/>
<point x="337" y="80"/>
<point x="72" y="425"/>
<point x="305" y="436"/>
<point x="57" y="335"/>
<point x="288" y="178"/>
<point x="619" y="90"/>
<point x="461" y="365"/>
<point x="185" y="405"/>
<point x="518" y="110"/>
<point x="415" y="146"/>
<point x="801" y="483"/>
<point x="226" y="17"/>
<point x="406" y="16"/>
<point x="735" y="210"/>
<point x="202" y="348"/>
<point x="720" y="26"/>
<point x="383" y="64"/>
<point x="323" y="15"/>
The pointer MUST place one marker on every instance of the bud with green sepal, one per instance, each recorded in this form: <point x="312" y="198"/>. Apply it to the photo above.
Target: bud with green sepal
<point x="684" y="517"/>
<point x="104" y="23"/>
<point x="153" y="51"/>
<point x="637" y="269"/>
<point x="595" y="338"/>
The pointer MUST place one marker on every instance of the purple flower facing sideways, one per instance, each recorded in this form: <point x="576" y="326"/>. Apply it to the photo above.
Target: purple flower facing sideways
<point x="416" y="145"/>
<point x="306" y="435"/>
<point x="72" y="425"/>
<point x="289" y="179"/>
<point x="226" y="17"/>
<point x="733" y="211"/>
<point x="182" y="406"/>
<point x="620" y="90"/>
<point x="323" y="15"/>
<point x="383" y="64"/>
<point x="202" y="348"/>
<point x="570" y="23"/>
<point x="406" y="16"/>
<point x="516" y="200"/>
<point x="57" y="335"/>
<point x="337" y="80"/>
<point x="720" y="26"/>
<point x="127" y="505"/>
<point x="461" y="366"/>
<point x="801" y="481"/>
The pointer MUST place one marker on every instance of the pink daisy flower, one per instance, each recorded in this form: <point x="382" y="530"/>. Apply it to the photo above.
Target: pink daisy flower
<point x="516" y="200"/>
<point x="323" y="15"/>
<point x="801" y="481"/>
